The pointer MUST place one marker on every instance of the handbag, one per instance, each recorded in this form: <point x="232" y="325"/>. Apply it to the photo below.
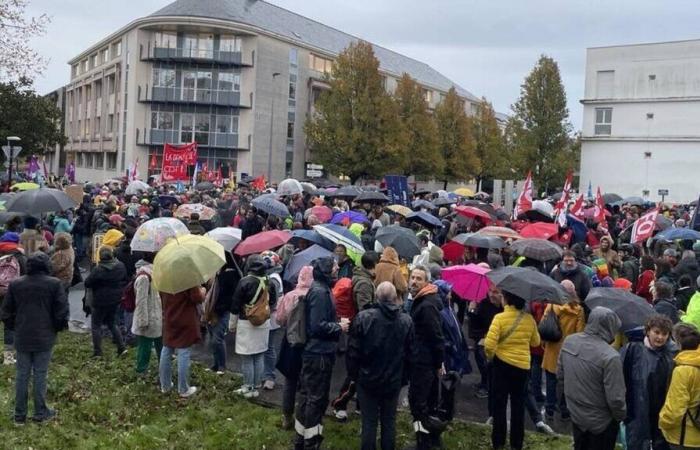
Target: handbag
<point x="549" y="327"/>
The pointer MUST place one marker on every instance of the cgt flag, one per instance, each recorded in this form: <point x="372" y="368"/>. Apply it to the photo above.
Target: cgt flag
<point x="644" y="227"/>
<point x="524" y="203"/>
<point x="599" y="211"/>
<point x="564" y="200"/>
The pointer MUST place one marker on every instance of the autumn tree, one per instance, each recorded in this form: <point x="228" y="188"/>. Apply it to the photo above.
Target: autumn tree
<point x="17" y="59"/>
<point x="539" y="129"/>
<point x="488" y="144"/>
<point x="422" y="154"/>
<point x="455" y="140"/>
<point x="356" y="129"/>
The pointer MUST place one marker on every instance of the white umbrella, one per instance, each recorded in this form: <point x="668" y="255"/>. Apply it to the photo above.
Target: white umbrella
<point x="544" y="207"/>
<point x="229" y="237"/>
<point x="153" y="234"/>
<point x="135" y="186"/>
<point x="290" y="186"/>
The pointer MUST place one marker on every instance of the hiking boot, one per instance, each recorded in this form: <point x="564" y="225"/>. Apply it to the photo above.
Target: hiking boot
<point x="8" y="357"/>
<point x="189" y="393"/>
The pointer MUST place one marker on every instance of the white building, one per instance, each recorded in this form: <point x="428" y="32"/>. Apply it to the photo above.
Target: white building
<point x="641" y="120"/>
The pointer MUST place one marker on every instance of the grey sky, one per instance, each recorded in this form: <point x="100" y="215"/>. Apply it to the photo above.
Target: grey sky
<point x="487" y="46"/>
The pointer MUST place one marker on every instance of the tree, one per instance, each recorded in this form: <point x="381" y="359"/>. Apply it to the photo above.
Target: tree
<point x="356" y="130"/>
<point x="455" y="140"/>
<point x="422" y="154"/>
<point x="34" y="118"/>
<point x="17" y="59"/>
<point x="540" y="126"/>
<point x="488" y="144"/>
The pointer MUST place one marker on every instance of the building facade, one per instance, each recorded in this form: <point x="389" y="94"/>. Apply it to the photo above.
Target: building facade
<point x="641" y="120"/>
<point x="239" y="77"/>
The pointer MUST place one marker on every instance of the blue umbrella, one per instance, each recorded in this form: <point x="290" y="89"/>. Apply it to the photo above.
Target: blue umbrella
<point x="301" y="259"/>
<point x="424" y="218"/>
<point x="311" y="236"/>
<point x="671" y="234"/>
<point x="353" y="216"/>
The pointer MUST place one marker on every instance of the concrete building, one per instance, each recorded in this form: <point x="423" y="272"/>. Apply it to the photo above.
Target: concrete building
<point x="55" y="157"/>
<point x="641" y="120"/>
<point x="237" y="76"/>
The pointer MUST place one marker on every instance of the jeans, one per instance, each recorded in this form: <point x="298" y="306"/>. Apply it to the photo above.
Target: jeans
<point x="38" y="364"/>
<point x="378" y="408"/>
<point x="536" y="378"/>
<point x="217" y="335"/>
<point x="105" y="315"/>
<point x="183" y="368"/>
<point x="481" y="364"/>
<point x="8" y="337"/>
<point x="585" y="440"/>
<point x="79" y="242"/>
<point x="252" y="367"/>
<point x="289" y="394"/>
<point x="508" y="382"/>
<point x="271" y="356"/>
<point x="144" y="347"/>
<point x="552" y="402"/>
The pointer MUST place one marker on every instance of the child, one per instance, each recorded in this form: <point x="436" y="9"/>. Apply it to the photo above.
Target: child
<point x="647" y="367"/>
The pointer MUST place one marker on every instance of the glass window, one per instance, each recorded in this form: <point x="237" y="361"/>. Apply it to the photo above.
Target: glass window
<point x="292" y="91"/>
<point x="98" y="89"/>
<point x="85" y="65"/>
<point x="205" y="45"/>
<point x="189" y="44"/>
<point x="290" y="130"/>
<point x="74" y="70"/>
<point x="163" y="77"/>
<point x="186" y="127"/>
<point x="229" y="43"/>
<point x="603" y="121"/>
<point x="189" y="85"/>
<point x="110" y="123"/>
<point x="111" y="161"/>
<point x="98" y="123"/>
<point x="202" y="128"/>
<point x="162" y="120"/>
<point x="99" y="160"/>
<point x="223" y="124"/>
<point x="293" y="55"/>
<point x="165" y="39"/>
<point x="105" y="55"/>
<point x="93" y="61"/>
<point x="229" y="82"/>
<point x="118" y="48"/>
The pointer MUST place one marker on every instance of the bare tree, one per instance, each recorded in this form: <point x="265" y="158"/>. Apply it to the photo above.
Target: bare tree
<point x="17" y="59"/>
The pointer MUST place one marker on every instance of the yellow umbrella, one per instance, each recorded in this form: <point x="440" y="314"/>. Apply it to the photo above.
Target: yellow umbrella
<point x="400" y="209"/>
<point x="25" y="186"/>
<point x="464" y="192"/>
<point x="185" y="262"/>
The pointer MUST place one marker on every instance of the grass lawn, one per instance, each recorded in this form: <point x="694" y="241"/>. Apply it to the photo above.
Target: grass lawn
<point x="102" y="404"/>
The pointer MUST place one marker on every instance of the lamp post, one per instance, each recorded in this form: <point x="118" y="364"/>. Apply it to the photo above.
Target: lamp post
<point x="10" y="141"/>
<point x="272" y="120"/>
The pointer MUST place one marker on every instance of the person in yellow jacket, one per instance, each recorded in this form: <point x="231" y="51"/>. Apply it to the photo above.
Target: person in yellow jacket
<point x="507" y="346"/>
<point x="683" y="397"/>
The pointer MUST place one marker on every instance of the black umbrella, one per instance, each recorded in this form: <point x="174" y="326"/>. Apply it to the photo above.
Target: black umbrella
<point x="270" y="205"/>
<point x="38" y="201"/>
<point x="443" y="201"/>
<point x="311" y="236"/>
<point x="420" y="203"/>
<point x="636" y="201"/>
<point x="479" y="240"/>
<point x="528" y="284"/>
<point x="537" y="249"/>
<point x="422" y="192"/>
<point x="403" y="240"/>
<point x="205" y="186"/>
<point x="372" y="197"/>
<point x="609" y="199"/>
<point x="424" y="218"/>
<point x="632" y="310"/>
<point x="345" y="192"/>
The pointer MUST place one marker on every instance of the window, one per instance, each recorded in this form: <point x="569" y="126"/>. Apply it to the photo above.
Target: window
<point x="229" y="81"/>
<point x="290" y="130"/>
<point x="89" y="160"/>
<point x="80" y="128"/>
<point x="105" y="55"/>
<point x="93" y="61"/>
<point x="186" y="127"/>
<point x="427" y="95"/>
<point x="198" y="45"/>
<point x="98" y="89"/>
<point x="98" y="123"/>
<point x="162" y="120"/>
<point x="74" y="70"/>
<point x="320" y="64"/>
<point x="117" y="48"/>
<point x="196" y="85"/>
<point x="85" y="65"/>
<point x="111" y="161"/>
<point x="293" y="55"/>
<point x="163" y="77"/>
<point x="88" y="92"/>
<point x="110" y="84"/>
<point x="292" y="91"/>
<point x="87" y="131"/>
<point x="110" y="123"/>
<point x="166" y="39"/>
<point x="603" y="121"/>
<point x="79" y="159"/>
<point x="226" y="124"/>
<point x="201" y="128"/>
<point x="99" y="160"/>
<point x="229" y="43"/>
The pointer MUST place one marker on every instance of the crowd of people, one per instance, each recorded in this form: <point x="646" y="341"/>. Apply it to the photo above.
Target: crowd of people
<point x="386" y="310"/>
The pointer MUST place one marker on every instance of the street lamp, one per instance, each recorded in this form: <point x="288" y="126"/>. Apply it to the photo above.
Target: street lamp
<point x="272" y="120"/>
<point x="10" y="140"/>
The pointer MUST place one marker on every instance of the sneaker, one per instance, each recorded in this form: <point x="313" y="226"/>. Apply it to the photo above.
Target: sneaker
<point x="49" y="416"/>
<point x="20" y="421"/>
<point x="482" y="393"/>
<point x="165" y="391"/>
<point x="243" y="390"/>
<point x="489" y="421"/>
<point x="122" y="351"/>
<point x="340" y="415"/>
<point x="544" y="428"/>
<point x="268" y="385"/>
<point x="253" y="393"/>
<point x="190" y="392"/>
<point x="219" y="372"/>
<point x="8" y="358"/>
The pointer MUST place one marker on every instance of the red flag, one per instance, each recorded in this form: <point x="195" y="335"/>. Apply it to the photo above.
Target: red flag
<point x="524" y="202"/>
<point x="599" y="211"/>
<point x="154" y="163"/>
<point x="564" y="200"/>
<point x="644" y="227"/>
<point x="577" y="208"/>
<point x="258" y="183"/>
<point x="219" y="179"/>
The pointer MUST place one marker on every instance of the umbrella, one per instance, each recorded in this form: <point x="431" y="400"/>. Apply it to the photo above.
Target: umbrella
<point x="403" y="240"/>
<point x="351" y="216"/>
<point x="464" y="192"/>
<point x="400" y="209"/>
<point x="271" y="206"/>
<point x="425" y="219"/>
<point x="420" y="203"/>
<point x="346" y="192"/>
<point x="528" y="284"/>
<point x="537" y="249"/>
<point x="422" y="192"/>
<point x="303" y="258"/>
<point x="39" y="201"/>
<point x="322" y="213"/>
<point x="186" y="210"/>
<point x="536" y="216"/>
<point x="611" y="198"/>
<point x="479" y="240"/>
<point x="229" y="237"/>
<point x="671" y="234"/>
<point x="311" y="236"/>
<point x="503" y="232"/>
<point x="544" y="207"/>
<point x="136" y="186"/>
<point x="637" y="201"/>
<point x="473" y="212"/>
<point x="486" y="207"/>
<point x="290" y="186"/>
<point x="452" y="251"/>
<point x="341" y="235"/>
<point x="24" y="186"/>
<point x="539" y="230"/>
<point x="7" y="216"/>
<point x="153" y="234"/>
<point x="260" y="242"/>
<point x="632" y="310"/>
<point x="205" y="186"/>
<point x="186" y="262"/>
<point x="469" y="282"/>
<point x="443" y="201"/>
<point x="371" y="197"/>
<point x="663" y="222"/>
<point x="308" y="187"/>
<point x="167" y="200"/>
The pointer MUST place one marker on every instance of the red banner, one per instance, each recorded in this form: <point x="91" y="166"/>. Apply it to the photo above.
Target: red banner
<point x="176" y="159"/>
<point x="644" y="227"/>
<point x="524" y="202"/>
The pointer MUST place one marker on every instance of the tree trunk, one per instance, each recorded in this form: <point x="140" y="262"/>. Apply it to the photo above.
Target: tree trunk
<point x="444" y="186"/>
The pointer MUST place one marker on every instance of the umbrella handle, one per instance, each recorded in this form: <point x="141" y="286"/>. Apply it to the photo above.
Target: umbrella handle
<point x="235" y="263"/>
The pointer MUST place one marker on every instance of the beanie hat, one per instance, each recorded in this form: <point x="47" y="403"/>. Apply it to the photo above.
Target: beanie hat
<point x="623" y="283"/>
<point x="10" y="236"/>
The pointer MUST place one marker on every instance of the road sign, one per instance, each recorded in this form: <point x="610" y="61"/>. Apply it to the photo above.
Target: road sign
<point x="314" y="170"/>
<point x="14" y="149"/>
<point x="663" y="192"/>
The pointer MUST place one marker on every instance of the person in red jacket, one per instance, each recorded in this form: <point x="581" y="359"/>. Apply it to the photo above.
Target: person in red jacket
<point x="646" y="278"/>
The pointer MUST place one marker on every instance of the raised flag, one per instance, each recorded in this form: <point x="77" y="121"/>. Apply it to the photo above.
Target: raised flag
<point x="577" y="208"/>
<point x="590" y="190"/>
<point x="154" y="163"/>
<point x="524" y="202"/>
<point x="644" y="227"/>
<point x="70" y="172"/>
<point x="599" y="211"/>
<point x="564" y="200"/>
<point x="258" y="183"/>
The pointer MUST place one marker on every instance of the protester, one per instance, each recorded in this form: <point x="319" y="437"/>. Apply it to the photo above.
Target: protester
<point x="692" y="313"/>
<point x="195" y="226"/>
<point x="30" y="239"/>
<point x="646" y="278"/>
<point x="363" y="281"/>
<point x="217" y="312"/>
<point x="147" y="324"/>
<point x="664" y="303"/>
<point x="63" y="259"/>
<point x="344" y="262"/>
<point x="685" y="291"/>
<point x="569" y="269"/>
<point x="13" y="264"/>
<point x="480" y="318"/>
<point x="388" y="269"/>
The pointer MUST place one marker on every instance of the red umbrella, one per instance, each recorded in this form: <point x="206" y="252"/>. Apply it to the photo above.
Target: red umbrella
<point x="539" y="230"/>
<point x="322" y="213"/>
<point x="262" y="241"/>
<point x="473" y="212"/>
<point x="452" y="251"/>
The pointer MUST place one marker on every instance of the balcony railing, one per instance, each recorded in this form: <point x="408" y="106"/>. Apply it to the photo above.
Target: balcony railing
<point x="151" y="52"/>
<point x="211" y="139"/>
<point x="217" y="97"/>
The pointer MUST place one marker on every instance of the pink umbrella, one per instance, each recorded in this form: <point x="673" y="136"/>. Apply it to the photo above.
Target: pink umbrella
<point x="322" y="213"/>
<point x="469" y="282"/>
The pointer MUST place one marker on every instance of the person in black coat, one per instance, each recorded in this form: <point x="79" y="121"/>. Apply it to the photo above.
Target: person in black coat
<point x="379" y="354"/>
<point x="227" y="280"/>
<point x="36" y="308"/>
<point x="107" y="281"/>
<point x="664" y="303"/>
<point x="569" y="269"/>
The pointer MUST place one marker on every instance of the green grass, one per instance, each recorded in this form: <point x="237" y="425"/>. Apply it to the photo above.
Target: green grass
<point x="103" y="405"/>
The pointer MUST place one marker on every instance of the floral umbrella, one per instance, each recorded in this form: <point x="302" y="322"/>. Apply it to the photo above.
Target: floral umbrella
<point x="186" y="210"/>
<point x="153" y="234"/>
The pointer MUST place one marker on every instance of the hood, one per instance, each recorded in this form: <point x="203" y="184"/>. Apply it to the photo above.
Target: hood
<point x="112" y="238"/>
<point x="389" y="310"/>
<point x="427" y="290"/>
<point x="306" y="277"/>
<point x="443" y="290"/>
<point x="389" y="255"/>
<point x="255" y="265"/>
<point x="38" y="263"/>
<point x="572" y="309"/>
<point x="144" y="266"/>
<point x="9" y="247"/>
<point x="62" y="241"/>
<point x="108" y="264"/>
<point x="358" y="271"/>
<point x="603" y="323"/>
<point x="435" y="255"/>
<point x="323" y="270"/>
<point x="357" y="229"/>
<point x="688" y="358"/>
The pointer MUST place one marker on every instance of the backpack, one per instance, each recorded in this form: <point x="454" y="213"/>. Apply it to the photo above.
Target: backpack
<point x="296" y="324"/>
<point x="9" y="271"/>
<point x="128" y="300"/>
<point x="258" y="310"/>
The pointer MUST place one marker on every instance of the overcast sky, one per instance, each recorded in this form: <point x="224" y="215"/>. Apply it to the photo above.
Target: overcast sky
<point x="486" y="46"/>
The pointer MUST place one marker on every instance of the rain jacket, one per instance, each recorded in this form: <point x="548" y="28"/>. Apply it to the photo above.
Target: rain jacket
<point x="683" y="396"/>
<point x="582" y="282"/>
<point x="322" y="328"/>
<point x="590" y="371"/>
<point x="515" y="349"/>
<point x="356" y="257"/>
<point x="571" y="320"/>
<point x="148" y="314"/>
<point x="290" y="299"/>
<point x="181" y="317"/>
<point x="430" y="342"/>
<point x="13" y="248"/>
<point x="362" y="288"/>
<point x="63" y="258"/>
<point x="692" y="315"/>
<point x="388" y="269"/>
<point x="667" y="307"/>
<point x="456" y="350"/>
<point x="107" y="281"/>
<point x="630" y="270"/>
<point x="342" y="294"/>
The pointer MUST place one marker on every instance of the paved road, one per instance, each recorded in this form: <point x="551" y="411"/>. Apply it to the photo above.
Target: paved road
<point x="468" y="407"/>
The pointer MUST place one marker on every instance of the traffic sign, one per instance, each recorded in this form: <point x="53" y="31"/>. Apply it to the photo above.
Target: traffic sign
<point x="663" y="192"/>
